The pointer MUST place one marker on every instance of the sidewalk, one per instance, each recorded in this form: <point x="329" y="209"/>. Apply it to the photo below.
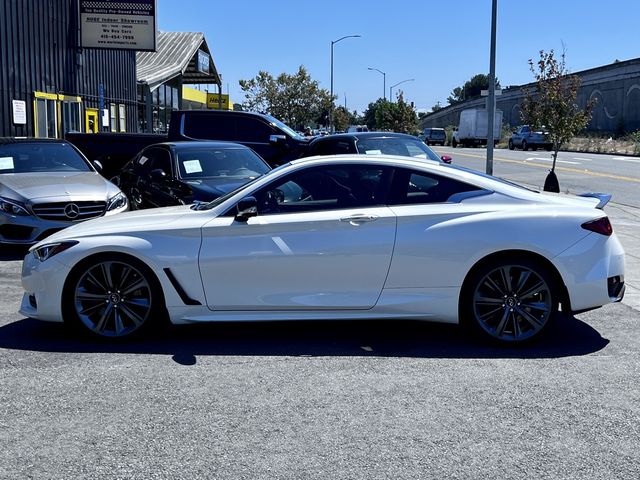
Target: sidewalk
<point x="626" y="225"/>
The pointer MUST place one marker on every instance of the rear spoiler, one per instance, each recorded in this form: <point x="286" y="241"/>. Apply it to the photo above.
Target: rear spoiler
<point x="602" y="197"/>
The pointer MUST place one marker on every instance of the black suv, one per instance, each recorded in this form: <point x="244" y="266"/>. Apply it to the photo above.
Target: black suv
<point x="274" y="141"/>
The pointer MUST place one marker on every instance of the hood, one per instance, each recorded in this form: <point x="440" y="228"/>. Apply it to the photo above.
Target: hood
<point x="56" y="186"/>
<point x="124" y="223"/>
<point x="208" y="189"/>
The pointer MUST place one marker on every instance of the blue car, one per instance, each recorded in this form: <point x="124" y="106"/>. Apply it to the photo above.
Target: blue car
<point x="179" y="173"/>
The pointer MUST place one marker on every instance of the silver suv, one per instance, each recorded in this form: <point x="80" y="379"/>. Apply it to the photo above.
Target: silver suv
<point x="47" y="185"/>
<point x="526" y="137"/>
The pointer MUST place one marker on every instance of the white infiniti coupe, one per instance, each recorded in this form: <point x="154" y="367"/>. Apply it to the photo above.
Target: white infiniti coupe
<point x="340" y="237"/>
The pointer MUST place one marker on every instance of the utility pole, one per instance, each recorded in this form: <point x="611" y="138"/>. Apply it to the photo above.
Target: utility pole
<point x="491" y="107"/>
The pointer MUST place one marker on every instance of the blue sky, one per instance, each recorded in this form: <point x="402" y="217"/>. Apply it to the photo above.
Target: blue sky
<point x="430" y="41"/>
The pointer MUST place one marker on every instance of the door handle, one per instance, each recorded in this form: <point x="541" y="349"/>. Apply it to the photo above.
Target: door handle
<point x="359" y="219"/>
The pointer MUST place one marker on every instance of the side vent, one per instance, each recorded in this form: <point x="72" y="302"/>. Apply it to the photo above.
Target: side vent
<point x="183" y="295"/>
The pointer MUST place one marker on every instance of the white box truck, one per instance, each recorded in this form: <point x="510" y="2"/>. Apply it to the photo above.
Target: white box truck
<point x="472" y="130"/>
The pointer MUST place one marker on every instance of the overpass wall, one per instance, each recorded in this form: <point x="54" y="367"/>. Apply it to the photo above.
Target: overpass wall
<point x="616" y="88"/>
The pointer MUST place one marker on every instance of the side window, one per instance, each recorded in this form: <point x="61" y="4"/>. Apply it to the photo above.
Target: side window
<point x="411" y="187"/>
<point x="210" y="126"/>
<point x="254" y="130"/>
<point x="323" y="188"/>
<point x="159" y="159"/>
<point x="332" y="146"/>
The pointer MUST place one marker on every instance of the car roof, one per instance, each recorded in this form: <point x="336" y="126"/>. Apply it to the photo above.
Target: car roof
<point x="9" y="140"/>
<point x="187" y="144"/>
<point x="363" y="135"/>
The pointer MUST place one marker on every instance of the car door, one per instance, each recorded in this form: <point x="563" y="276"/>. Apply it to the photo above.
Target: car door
<point x="323" y="239"/>
<point x="159" y="188"/>
<point x="432" y="241"/>
<point x="520" y="134"/>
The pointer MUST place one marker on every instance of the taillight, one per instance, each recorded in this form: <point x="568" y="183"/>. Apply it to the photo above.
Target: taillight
<point x="601" y="226"/>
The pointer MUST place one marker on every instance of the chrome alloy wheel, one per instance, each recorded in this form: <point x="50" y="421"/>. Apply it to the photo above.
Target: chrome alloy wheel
<point x="512" y="303"/>
<point x="113" y="299"/>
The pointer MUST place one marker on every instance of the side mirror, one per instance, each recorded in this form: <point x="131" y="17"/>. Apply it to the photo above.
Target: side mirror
<point x="445" y="158"/>
<point x="247" y="208"/>
<point x="98" y="166"/>
<point x="157" y="174"/>
<point x="277" y="139"/>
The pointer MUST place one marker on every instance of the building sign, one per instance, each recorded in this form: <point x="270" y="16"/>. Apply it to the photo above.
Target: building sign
<point x="19" y="112"/>
<point x="213" y="101"/>
<point x="203" y="62"/>
<point x="118" y="24"/>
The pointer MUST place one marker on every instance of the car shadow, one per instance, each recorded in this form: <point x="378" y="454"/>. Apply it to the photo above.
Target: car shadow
<point x="390" y="338"/>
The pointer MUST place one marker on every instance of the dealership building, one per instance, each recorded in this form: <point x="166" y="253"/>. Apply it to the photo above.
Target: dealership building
<point x="97" y="66"/>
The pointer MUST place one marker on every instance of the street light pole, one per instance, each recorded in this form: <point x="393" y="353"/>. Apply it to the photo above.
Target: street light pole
<point x="491" y="107"/>
<point x="384" y="82"/>
<point x="333" y="42"/>
<point x="395" y="85"/>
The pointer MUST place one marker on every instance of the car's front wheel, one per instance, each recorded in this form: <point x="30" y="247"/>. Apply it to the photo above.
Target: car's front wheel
<point x="112" y="296"/>
<point x="509" y="300"/>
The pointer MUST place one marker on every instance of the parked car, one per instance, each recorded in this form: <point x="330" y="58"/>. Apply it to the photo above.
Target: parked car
<point x="527" y="138"/>
<point x="376" y="238"/>
<point x="47" y="185"/>
<point x="374" y="143"/>
<point x="434" y="136"/>
<point x="179" y="173"/>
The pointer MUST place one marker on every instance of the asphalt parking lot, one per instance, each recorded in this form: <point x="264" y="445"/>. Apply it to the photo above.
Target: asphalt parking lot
<point x="319" y="400"/>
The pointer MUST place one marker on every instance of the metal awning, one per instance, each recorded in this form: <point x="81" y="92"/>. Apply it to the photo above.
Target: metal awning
<point x="176" y="54"/>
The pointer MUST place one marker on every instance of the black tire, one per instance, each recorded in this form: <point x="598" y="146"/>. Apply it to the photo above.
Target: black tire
<point x="454" y="144"/>
<point x="112" y="296"/>
<point x="511" y="147"/>
<point x="525" y="147"/>
<point x="534" y="148"/>
<point x="509" y="300"/>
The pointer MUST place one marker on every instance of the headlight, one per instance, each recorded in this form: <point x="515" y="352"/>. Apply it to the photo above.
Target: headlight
<point x="12" y="207"/>
<point x="47" y="251"/>
<point x="117" y="201"/>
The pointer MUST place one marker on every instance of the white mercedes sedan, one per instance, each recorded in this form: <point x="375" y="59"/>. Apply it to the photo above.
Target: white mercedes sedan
<point x="339" y="237"/>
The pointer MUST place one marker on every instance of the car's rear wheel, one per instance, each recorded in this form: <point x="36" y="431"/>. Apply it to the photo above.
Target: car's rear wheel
<point x="454" y="144"/>
<point x="511" y="147"/>
<point x="525" y="147"/>
<point x="509" y="300"/>
<point x="112" y="297"/>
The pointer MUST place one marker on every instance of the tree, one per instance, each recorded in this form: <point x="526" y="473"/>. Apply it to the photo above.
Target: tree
<point x="553" y="106"/>
<point x="295" y="99"/>
<point x="436" y="107"/>
<point x="369" y="115"/>
<point x="471" y="89"/>
<point x="342" y="118"/>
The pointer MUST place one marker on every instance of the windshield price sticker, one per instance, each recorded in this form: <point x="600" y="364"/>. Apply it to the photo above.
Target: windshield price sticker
<point x="6" y="163"/>
<point x="192" y="166"/>
<point x="374" y="152"/>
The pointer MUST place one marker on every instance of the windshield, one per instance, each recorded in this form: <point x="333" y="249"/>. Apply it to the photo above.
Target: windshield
<point x="404" y="146"/>
<point x="283" y="126"/>
<point x="41" y="157"/>
<point x="237" y="163"/>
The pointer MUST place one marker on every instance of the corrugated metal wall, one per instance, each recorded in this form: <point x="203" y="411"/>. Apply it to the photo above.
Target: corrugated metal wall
<point x="39" y="51"/>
